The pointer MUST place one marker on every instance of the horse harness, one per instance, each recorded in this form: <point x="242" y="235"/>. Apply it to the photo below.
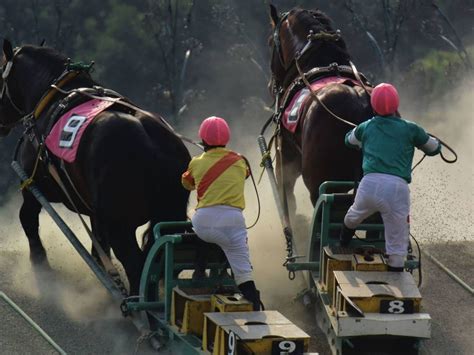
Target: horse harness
<point x="5" y="92"/>
<point x="284" y="96"/>
<point x="55" y="168"/>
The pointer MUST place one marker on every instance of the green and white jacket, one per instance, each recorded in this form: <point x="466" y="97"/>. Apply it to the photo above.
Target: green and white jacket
<point x="388" y="145"/>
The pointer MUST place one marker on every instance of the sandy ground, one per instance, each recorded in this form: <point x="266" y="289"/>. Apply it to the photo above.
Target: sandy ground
<point x="72" y="307"/>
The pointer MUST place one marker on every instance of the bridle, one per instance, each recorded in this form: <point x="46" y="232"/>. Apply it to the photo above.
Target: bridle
<point x="276" y="39"/>
<point x="5" y="92"/>
<point x="314" y="41"/>
<point x="321" y="36"/>
<point x="68" y="74"/>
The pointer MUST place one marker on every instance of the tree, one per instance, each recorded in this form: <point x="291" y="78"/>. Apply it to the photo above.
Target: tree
<point x="170" y="24"/>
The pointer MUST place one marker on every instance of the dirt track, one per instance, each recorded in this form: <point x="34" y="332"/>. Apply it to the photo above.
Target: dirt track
<point x="74" y="310"/>
<point x="72" y="307"/>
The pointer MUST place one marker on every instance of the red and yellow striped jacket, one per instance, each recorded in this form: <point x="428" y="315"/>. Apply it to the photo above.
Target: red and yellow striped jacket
<point x="219" y="177"/>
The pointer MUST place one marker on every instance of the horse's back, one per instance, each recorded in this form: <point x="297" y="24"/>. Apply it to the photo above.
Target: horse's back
<point x="323" y="135"/>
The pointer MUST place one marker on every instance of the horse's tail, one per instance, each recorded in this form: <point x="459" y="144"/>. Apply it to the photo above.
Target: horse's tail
<point x="168" y="199"/>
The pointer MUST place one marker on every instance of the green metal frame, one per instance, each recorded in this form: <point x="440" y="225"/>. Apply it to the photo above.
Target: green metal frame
<point x="155" y="300"/>
<point x="325" y="221"/>
<point x="322" y="226"/>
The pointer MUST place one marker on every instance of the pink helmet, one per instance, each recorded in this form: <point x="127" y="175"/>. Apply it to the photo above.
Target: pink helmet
<point x="214" y="131"/>
<point x="385" y="99"/>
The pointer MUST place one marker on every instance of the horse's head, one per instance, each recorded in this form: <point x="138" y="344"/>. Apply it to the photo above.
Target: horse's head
<point x="308" y="33"/>
<point x="27" y="72"/>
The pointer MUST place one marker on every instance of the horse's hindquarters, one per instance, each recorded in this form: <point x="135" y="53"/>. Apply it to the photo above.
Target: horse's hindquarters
<point x="324" y="154"/>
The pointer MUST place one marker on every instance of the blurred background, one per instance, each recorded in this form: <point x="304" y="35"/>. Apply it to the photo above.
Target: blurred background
<point x="188" y="59"/>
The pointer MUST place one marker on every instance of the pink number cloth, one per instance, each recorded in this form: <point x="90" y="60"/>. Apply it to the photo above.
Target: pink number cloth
<point x="65" y="137"/>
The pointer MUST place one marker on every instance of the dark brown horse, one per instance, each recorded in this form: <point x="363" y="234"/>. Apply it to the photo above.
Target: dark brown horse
<point x="128" y="166"/>
<point x="316" y="150"/>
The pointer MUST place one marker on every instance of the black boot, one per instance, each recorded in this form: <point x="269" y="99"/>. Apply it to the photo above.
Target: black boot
<point x="251" y="293"/>
<point x="393" y="268"/>
<point x="346" y="236"/>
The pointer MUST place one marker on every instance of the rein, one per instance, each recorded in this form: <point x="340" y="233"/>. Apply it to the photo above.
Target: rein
<point x="28" y="121"/>
<point x="62" y="80"/>
<point x="121" y="102"/>
<point x="6" y="91"/>
<point x="321" y="36"/>
<point x="167" y="126"/>
<point x="317" y="99"/>
<point x="278" y="89"/>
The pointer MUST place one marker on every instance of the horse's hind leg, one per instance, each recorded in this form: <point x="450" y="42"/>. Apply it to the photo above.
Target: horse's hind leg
<point x="124" y="244"/>
<point x="104" y="243"/>
<point x="288" y="168"/>
<point x="29" y="218"/>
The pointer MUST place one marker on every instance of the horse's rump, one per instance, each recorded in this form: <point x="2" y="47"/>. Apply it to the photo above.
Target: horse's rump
<point x="115" y="155"/>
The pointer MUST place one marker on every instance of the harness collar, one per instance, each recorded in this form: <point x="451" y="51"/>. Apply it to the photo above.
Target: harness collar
<point x="63" y="79"/>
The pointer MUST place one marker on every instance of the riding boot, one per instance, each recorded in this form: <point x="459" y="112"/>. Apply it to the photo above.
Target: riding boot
<point x="200" y="263"/>
<point x="394" y="268"/>
<point x="346" y="236"/>
<point x="251" y="293"/>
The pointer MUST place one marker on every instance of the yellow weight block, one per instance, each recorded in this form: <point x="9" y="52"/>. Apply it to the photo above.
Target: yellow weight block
<point x="360" y="264"/>
<point x="334" y="265"/>
<point x="188" y="308"/>
<point x="230" y="303"/>
<point x="252" y="333"/>
<point x="368" y="290"/>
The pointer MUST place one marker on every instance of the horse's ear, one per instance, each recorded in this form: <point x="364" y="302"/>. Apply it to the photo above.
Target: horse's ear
<point x="7" y="49"/>
<point x="43" y="42"/>
<point x="274" y="14"/>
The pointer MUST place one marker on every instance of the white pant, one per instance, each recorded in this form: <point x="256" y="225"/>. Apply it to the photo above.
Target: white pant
<point x="225" y="226"/>
<point x="389" y="195"/>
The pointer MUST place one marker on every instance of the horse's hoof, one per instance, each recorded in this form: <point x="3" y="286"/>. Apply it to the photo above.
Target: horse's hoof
<point x="155" y="343"/>
<point x="38" y="257"/>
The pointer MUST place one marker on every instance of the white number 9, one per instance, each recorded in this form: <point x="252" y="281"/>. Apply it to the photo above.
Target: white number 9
<point x="231" y="344"/>
<point x="286" y="347"/>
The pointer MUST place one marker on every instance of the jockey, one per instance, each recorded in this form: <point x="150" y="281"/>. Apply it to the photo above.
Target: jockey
<point x="219" y="176"/>
<point x="387" y="142"/>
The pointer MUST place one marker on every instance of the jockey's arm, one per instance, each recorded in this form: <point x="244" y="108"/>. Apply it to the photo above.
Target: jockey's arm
<point x="431" y="147"/>
<point x="353" y="138"/>
<point x="188" y="181"/>
<point x="428" y="144"/>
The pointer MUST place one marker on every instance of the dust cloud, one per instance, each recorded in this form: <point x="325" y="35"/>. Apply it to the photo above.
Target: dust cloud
<point x="442" y="210"/>
<point x="266" y="240"/>
<point x="66" y="295"/>
<point x="78" y="287"/>
<point x="443" y="194"/>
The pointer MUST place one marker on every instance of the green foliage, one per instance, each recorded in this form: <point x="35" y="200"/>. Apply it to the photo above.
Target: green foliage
<point x="139" y="49"/>
<point x="431" y="77"/>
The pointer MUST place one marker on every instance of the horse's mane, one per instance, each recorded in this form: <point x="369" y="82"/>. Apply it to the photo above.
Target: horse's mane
<point x="47" y="58"/>
<point x="317" y="21"/>
<point x="307" y="18"/>
<point x="42" y="66"/>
